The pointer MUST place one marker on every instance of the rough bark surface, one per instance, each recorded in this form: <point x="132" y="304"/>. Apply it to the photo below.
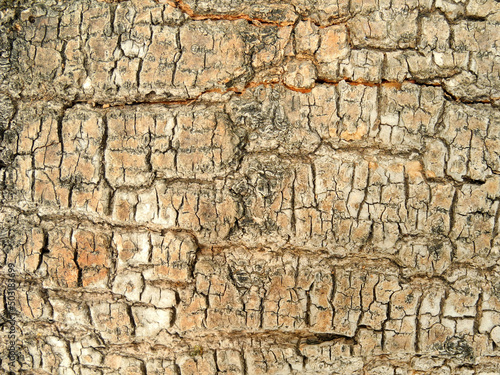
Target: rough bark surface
<point x="251" y="187"/>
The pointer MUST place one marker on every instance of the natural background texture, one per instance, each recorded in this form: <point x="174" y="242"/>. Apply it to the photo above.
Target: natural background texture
<point x="252" y="187"/>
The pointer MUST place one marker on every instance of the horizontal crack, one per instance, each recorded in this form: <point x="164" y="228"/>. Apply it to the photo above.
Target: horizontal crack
<point x="179" y="4"/>
<point x="237" y="91"/>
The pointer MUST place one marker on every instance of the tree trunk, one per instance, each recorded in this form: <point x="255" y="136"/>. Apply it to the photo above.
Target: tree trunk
<point x="250" y="187"/>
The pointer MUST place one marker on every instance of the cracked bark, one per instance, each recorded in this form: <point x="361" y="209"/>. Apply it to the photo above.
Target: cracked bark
<point x="199" y="187"/>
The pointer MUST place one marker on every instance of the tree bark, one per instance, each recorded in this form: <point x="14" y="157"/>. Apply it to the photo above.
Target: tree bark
<point x="250" y="187"/>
